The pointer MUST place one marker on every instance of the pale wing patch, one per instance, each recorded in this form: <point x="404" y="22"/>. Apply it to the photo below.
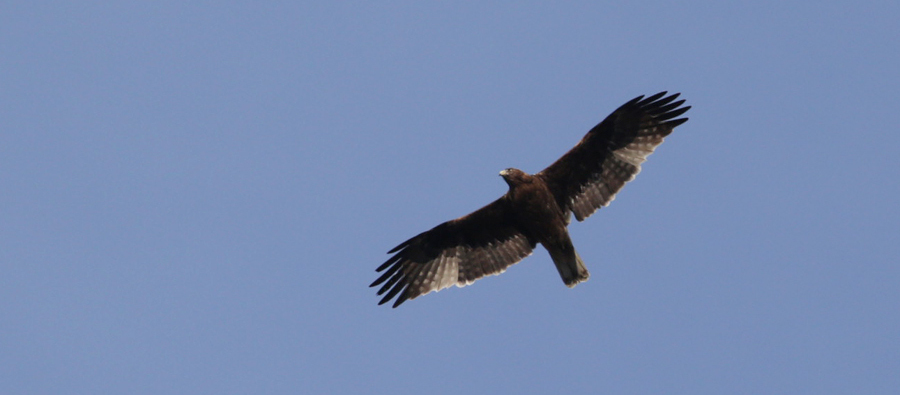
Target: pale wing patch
<point x="462" y="265"/>
<point x="620" y="167"/>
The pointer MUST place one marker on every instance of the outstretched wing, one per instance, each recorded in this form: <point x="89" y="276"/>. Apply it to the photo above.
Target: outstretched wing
<point x="455" y="252"/>
<point x="589" y="175"/>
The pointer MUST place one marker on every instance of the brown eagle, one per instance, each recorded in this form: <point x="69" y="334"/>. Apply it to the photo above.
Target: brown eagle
<point x="536" y="209"/>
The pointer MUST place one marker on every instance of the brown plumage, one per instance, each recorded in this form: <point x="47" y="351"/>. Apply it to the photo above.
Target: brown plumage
<point x="536" y="209"/>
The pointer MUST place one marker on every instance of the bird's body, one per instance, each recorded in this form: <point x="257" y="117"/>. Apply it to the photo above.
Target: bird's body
<point x="544" y="221"/>
<point x="536" y="209"/>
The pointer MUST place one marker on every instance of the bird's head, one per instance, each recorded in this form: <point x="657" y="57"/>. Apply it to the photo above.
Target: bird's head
<point x="514" y="176"/>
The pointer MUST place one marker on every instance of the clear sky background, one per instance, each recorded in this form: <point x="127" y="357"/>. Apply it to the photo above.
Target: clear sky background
<point x="194" y="197"/>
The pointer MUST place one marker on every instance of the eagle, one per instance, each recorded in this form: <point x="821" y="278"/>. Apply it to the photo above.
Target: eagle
<point x="536" y="209"/>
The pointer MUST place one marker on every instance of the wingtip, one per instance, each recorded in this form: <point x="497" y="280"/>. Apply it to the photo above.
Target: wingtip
<point x="652" y="98"/>
<point x="633" y="101"/>
<point x="677" y="112"/>
<point x="675" y="122"/>
<point x="385" y="299"/>
<point x="400" y="299"/>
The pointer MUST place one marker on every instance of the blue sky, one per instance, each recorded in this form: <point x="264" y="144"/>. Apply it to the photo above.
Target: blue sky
<point x="195" y="197"/>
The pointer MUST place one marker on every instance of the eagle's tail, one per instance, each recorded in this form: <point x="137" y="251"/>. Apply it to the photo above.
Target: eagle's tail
<point x="570" y="266"/>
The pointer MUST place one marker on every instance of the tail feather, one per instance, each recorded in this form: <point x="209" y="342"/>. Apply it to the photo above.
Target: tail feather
<point x="570" y="266"/>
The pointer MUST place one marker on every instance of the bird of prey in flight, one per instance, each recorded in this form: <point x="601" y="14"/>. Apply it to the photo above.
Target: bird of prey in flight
<point x="536" y="209"/>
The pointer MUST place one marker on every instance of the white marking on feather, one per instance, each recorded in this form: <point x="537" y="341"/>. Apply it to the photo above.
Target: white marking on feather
<point x="451" y="267"/>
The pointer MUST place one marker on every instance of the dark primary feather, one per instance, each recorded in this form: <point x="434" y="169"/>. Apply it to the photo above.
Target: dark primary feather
<point x="455" y="252"/>
<point x="590" y="174"/>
